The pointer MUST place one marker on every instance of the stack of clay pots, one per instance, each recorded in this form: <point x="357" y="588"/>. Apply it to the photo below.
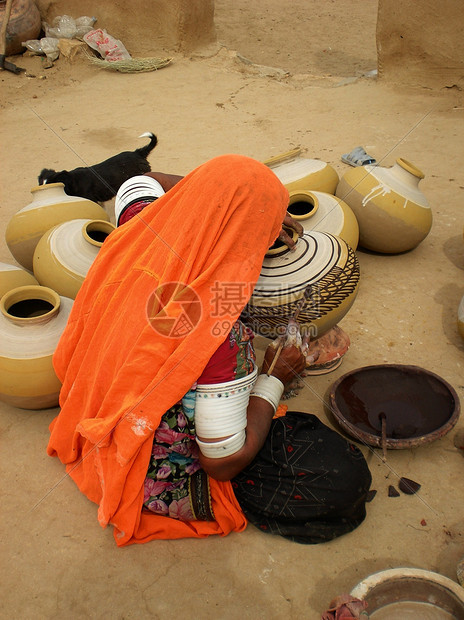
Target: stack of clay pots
<point x="323" y="267"/>
<point x="382" y="209"/>
<point x="54" y="240"/>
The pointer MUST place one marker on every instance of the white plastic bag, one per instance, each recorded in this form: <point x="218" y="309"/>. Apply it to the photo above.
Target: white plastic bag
<point x="50" y="48"/>
<point x="107" y="46"/>
<point x="47" y="46"/>
<point x="83" y="26"/>
<point x="66" y="27"/>
<point x="34" y="46"/>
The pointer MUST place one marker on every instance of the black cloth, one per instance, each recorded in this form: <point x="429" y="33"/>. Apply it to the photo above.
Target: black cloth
<point x="307" y="483"/>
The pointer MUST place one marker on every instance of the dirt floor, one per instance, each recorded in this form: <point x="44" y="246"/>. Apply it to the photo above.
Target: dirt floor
<point x="308" y="82"/>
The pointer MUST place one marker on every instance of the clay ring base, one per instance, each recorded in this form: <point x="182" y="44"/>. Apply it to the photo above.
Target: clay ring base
<point x="322" y="369"/>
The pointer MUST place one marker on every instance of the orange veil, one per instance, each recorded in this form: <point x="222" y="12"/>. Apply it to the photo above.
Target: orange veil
<point x="120" y="367"/>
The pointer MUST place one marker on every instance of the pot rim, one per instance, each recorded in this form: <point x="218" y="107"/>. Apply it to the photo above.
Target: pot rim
<point x="29" y="292"/>
<point x="99" y="226"/>
<point x="41" y="188"/>
<point x="409" y="167"/>
<point x="303" y="195"/>
<point x="368" y="585"/>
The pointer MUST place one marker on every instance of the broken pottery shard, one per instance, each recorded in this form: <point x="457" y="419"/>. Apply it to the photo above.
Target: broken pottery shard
<point x="408" y="486"/>
<point x="392" y="492"/>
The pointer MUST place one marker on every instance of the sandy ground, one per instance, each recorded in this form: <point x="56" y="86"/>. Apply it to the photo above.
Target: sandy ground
<point x="57" y="561"/>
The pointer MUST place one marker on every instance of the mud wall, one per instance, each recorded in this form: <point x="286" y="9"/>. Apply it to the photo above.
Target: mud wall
<point x="421" y="42"/>
<point x="146" y="27"/>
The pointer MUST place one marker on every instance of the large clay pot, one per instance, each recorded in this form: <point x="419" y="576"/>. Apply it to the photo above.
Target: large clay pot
<point x="50" y="206"/>
<point x="24" y="24"/>
<point x="392" y="212"/>
<point x="66" y="252"/>
<point x="32" y="319"/>
<point x="12" y="276"/>
<point x="326" y="213"/>
<point x="297" y="172"/>
<point x="461" y="318"/>
<point x="323" y="267"/>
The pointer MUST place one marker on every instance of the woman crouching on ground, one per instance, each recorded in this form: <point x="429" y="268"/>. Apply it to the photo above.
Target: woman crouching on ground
<point x="153" y="321"/>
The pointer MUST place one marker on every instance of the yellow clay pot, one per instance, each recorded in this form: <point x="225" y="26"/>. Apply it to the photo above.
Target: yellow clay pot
<point x="32" y="319"/>
<point x="12" y="276"/>
<point x="321" y="261"/>
<point x="301" y="173"/>
<point x="320" y="211"/>
<point x="66" y="252"/>
<point x="461" y="318"/>
<point x="392" y="212"/>
<point x="50" y="206"/>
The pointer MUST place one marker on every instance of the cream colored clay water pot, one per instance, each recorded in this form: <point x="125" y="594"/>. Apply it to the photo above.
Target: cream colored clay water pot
<point x="32" y="319"/>
<point x="50" y="206"/>
<point x="322" y="265"/>
<point x="461" y="318"/>
<point x="297" y="172"/>
<point x="324" y="212"/>
<point x="65" y="253"/>
<point x="12" y="276"/>
<point x="392" y="212"/>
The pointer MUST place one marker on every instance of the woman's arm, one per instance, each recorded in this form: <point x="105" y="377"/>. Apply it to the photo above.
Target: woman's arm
<point x="167" y="181"/>
<point x="259" y="417"/>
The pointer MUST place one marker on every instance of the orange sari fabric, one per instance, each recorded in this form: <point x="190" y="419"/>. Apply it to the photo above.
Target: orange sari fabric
<point x="120" y="375"/>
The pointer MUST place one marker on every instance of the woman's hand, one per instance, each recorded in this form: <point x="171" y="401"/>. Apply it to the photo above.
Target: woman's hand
<point x="289" y="222"/>
<point x="260" y="412"/>
<point x="291" y="362"/>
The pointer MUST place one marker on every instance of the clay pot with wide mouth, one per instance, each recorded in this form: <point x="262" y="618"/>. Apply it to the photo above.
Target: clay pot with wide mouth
<point x="320" y="211"/>
<point x="50" y="206"/>
<point x="32" y="319"/>
<point x="65" y="253"/>
<point x="322" y="267"/>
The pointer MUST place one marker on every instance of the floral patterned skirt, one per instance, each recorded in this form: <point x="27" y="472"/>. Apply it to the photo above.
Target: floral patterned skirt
<point x="175" y="485"/>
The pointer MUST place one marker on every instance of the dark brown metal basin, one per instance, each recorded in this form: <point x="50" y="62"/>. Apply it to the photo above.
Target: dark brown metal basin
<point x="419" y="405"/>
